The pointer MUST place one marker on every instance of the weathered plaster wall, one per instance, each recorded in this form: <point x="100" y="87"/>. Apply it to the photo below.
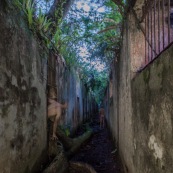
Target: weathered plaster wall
<point x="125" y="135"/>
<point x="22" y="96"/>
<point x="81" y="104"/>
<point x="112" y="115"/>
<point x="119" y="113"/>
<point x="69" y="88"/>
<point x="143" y="122"/>
<point x="75" y="94"/>
<point x="152" y="116"/>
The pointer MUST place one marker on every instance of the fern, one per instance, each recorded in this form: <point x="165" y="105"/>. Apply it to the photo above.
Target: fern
<point x="40" y="20"/>
<point x="30" y="12"/>
<point x="57" y="37"/>
<point x="27" y="6"/>
<point x="46" y="24"/>
<point x="43" y="23"/>
<point x="18" y="3"/>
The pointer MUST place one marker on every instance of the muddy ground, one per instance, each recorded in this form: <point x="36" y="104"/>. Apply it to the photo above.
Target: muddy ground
<point x="99" y="151"/>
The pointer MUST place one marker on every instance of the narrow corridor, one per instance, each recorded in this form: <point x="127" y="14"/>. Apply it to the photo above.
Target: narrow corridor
<point x="99" y="151"/>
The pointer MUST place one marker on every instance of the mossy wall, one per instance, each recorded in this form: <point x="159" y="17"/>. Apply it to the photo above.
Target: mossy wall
<point x="23" y="94"/>
<point x="152" y="116"/>
<point x="23" y="127"/>
<point x="143" y="124"/>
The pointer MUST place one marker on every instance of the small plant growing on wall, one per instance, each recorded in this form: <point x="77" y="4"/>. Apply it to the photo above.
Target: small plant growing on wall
<point x="29" y="10"/>
<point x="27" y="6"/>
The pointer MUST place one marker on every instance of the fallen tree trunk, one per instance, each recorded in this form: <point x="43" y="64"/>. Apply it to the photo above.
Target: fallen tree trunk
<point x="72" y="145"/>
<point x="59" y="164"/>
<point x="62" y="151"/>
<point x="78" y="167"/>
<point x="56" y="153"/>
<point x="77" y="142"/>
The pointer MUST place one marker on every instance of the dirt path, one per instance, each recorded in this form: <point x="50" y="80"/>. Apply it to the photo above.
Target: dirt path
<point x="97" y="152"/>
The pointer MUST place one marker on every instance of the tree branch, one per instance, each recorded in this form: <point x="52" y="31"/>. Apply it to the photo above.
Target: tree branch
<point x="59" y="9"/>
<point x="120" y="5"/>
<point x="107" y="29"/>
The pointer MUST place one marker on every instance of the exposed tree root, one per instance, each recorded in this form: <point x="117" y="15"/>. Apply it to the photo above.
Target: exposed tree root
<point x="78" y="167"/>
<point x="69" y="145"/>
<point x="60" y="152"/>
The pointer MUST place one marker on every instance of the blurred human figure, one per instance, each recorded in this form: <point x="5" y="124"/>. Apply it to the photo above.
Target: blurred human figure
<point x="54" y="111"/>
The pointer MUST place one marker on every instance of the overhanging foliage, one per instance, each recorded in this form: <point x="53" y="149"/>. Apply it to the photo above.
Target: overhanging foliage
<point x="87" y="37"/>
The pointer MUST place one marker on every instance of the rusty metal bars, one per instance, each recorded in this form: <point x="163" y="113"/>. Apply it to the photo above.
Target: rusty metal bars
<point x="146" y="43"/>
<point x="157" y="28"/>
<point x="151" y="21"/>
<point x="163" y="25"/>
<point x="148" y="34"/>
<point x="168" y="1"/>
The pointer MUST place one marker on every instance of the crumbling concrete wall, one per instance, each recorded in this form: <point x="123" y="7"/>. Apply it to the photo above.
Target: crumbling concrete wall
<point x="75" y="95"/>
<point x="143" y="122"/>
<point x="111" y="102"/>
<point x="119" y="113"/>
<point x="125" y="132"/>
<point x="152" y="116"/>
<point x="23" y="132"/>
<point x="23" y="94"/>
<point x="70" y="89"/>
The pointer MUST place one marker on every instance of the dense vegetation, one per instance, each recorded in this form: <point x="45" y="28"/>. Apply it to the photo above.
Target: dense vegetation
<point x="88" y="37"/>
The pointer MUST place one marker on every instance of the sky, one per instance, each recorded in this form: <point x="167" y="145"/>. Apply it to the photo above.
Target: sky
<point x="86" y="6"/>
<point x="97" y="64"/>
<point x="43" y="5"/>
<point x="81" y="4"/>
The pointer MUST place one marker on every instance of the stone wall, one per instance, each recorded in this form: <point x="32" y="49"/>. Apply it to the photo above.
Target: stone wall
<point x="71" y="89"/>
<point x="119" y="114"/>
<point x="23" y="94"/>
<point x="23" y="126"/>
<point x="76" y="98"/>
<point x="124" y="114"/>
<point x="143" y="105"/>
<point x="152" y="116"/>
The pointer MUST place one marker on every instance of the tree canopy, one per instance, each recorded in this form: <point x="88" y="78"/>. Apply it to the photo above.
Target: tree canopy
<point x="86" y="33"/>
<point x="90" y="39"/>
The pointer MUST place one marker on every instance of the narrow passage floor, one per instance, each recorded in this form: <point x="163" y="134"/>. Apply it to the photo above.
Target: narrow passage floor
<point x="99" y="151"/>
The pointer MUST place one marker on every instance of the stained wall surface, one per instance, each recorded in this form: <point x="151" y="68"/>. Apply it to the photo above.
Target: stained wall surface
<point x="143" y="106"/>
<point x="23" y="122"/>
<point x="141" y="123"/>
<point x="24" y="80"/>
<point x="152" y="116"/>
